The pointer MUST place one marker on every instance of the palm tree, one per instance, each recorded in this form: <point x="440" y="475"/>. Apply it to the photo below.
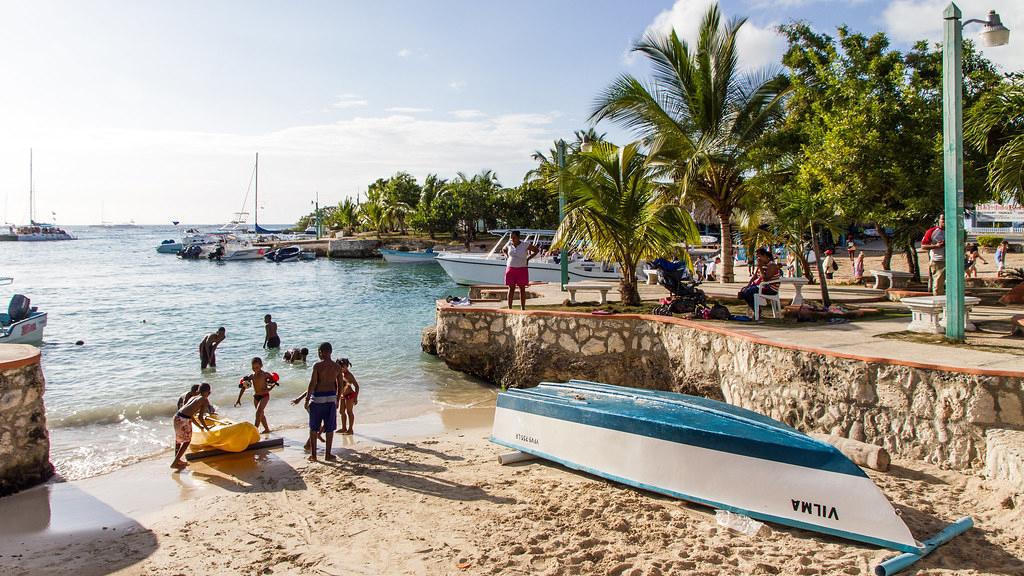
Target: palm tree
<point x="345" y="215"/>
<point x="700" y="115"/>
<point x="618" y="212"/>
<point x="996" y="123"/>
<point x="395" y="213"/>
<point x="374" y="216"/>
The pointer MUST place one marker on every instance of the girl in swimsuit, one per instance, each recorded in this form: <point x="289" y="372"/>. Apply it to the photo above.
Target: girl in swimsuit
<point x="349" y="397"/>
<point x="261" y="382"/>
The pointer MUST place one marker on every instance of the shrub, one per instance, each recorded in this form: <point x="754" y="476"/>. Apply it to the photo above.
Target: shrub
<point x="989" y="241"/>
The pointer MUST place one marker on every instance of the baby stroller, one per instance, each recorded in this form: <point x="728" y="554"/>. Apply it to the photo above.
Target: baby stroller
<point x="685" y="295"/>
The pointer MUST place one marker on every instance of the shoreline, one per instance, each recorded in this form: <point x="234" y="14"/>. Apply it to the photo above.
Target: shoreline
<point x="426" y="496"/>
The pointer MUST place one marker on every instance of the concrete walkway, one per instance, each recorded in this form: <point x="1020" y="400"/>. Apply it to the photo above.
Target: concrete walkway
<point x="860" y="339"/>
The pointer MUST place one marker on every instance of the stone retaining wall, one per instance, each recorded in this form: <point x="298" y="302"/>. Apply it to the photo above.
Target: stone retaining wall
<point x="353" y="248"/>
<point x="914" y="411"/>
<point x="24" y="441"/>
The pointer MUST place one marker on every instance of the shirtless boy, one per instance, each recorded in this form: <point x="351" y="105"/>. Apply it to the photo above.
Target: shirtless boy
<point x="262" y="383"/>
<point x="195" y="410"/>
<point x="296" y="355"/>
<point x="208" y="348"/>
<point x="270" y="338"/>
<point x="349" y="397"/>
<point x="322" y="400"/>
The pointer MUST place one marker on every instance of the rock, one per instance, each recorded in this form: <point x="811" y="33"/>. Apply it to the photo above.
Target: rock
<point x="1004" y="459"/>
<point x="428" y="340"/>
<point x="1014" y="296"/>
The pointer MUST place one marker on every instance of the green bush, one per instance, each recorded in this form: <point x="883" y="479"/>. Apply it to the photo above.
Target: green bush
<point x="989" y="241"/>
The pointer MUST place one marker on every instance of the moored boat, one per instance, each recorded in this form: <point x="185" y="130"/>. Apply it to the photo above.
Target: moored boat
<point x="286" y="254"/>
<point x="409" y="257"/>
<point x="476" y="268"/>
<point x="22" y="323"/>
<point x="703" y="451"/>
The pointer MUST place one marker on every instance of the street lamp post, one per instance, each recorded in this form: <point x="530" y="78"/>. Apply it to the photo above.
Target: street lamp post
<point x="563" y="254"/>
<point x="993" y="34"/>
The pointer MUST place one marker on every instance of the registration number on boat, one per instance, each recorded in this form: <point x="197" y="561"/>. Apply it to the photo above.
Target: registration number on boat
<point x="527" y="439"/>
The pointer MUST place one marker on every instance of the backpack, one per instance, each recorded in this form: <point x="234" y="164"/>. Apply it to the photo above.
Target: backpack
<point x="835" y="265"/>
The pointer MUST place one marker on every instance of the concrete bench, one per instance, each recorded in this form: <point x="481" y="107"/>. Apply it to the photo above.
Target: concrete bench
<point x="893" y="279"/>
<point x="652" y="277"/>
<point x="602" y="287"/>
<point x="798" y="284"/>
<point x="927" y="313"/>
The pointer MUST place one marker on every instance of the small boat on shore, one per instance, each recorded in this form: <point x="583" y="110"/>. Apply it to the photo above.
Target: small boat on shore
<point x="409" y="257"/>
<point x="22" y="323"/>
<point x="702" y="451"/>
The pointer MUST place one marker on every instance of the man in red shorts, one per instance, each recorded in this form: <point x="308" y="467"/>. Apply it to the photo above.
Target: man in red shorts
<point x="517" y="271"/>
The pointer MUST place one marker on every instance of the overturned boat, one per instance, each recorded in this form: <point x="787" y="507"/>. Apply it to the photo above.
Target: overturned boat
<point x="703" y="451"/>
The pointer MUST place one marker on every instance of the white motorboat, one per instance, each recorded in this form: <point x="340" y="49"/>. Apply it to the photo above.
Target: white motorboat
<point x="234" y="251"/>
<point x="22" y="324"/>
<point x="192" y="237"/>
<point x="475" y="268"/>
<point x="408" y="256"/>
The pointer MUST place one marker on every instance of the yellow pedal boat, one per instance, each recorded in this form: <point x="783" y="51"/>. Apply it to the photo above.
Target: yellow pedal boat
<point x="224" y="434"/>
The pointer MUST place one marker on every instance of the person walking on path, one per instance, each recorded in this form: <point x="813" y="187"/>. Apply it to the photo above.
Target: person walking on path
<point x="830" y="265"/>
<point x="858" y="267"/>
<point x="271" y="341"/>
<point x="517" y="267"/>
<point x="851" y="248"/>
<point x="1001" y="251"/>
<point x="934" y="242"/>
<point x="208" y="348"/>
<point x="971" y="257"/>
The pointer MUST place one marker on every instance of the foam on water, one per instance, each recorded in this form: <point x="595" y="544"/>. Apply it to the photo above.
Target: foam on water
<point x="142" y="315"/>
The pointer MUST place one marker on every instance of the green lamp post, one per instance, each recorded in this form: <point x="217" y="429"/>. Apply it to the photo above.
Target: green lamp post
<point x="563" y="254"/>
<point x="993" y="34"/>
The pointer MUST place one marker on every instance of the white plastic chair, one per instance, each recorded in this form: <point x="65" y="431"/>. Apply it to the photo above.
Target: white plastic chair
<point x="761" y="299"/>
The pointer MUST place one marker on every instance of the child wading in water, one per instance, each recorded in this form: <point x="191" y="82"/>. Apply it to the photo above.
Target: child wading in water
<point x="349" y="397"/>
<point x="261" y="382"/>
<point x="195" y="409"/>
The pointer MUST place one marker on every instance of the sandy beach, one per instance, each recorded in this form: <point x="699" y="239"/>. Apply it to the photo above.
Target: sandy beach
<point x="427" y="496"/>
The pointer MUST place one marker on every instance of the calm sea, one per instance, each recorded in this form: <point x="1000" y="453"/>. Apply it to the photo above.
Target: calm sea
<point x="142" y="315"/>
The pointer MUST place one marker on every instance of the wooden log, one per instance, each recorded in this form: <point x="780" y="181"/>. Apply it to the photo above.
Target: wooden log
<point x="272" y="443"/>
<point x="862" y="453"/>
<point x="513" y="457"/>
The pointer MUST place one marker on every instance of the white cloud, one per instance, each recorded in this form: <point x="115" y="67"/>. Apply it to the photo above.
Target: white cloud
<point x="349" y="101"/>
<point x="467" y="114"/>
<point x="457" y="84"/>
<point x="912" y="20"/>
<point x="407" y="110"/>
<point x="404" y="53"/>
<point x="758" y="46"/>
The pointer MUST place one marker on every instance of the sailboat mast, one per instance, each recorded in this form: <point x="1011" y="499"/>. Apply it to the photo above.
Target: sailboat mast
<point x="256" y="208"/>
<point x="31" y="193"/>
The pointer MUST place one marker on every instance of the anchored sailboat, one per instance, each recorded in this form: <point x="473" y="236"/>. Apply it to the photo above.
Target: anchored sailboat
<point x="36" y="231"/>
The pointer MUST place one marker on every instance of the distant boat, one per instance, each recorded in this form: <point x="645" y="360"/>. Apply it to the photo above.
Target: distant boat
<point x="238" y="224"/>
<point x="36" y="231"/>
<point x="703" y="451"/>
<point x="407" y="257"/>
<point x="174" y="222"/>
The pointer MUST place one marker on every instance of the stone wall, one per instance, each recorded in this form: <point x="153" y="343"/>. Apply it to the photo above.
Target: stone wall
<point x="914" y="411"/>
<point x="353" y="248"/>
<point x="24" y="441"/>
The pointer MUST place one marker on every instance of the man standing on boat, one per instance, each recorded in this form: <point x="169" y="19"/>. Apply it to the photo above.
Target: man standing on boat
<point x="208" y="348"/>
<point x="517" y="267"/>
<point x="271" y="341"/>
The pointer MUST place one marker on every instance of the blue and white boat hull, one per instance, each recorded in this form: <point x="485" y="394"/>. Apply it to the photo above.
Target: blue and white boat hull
<point x="400" y="257"/>
<point x="702" y="451"/>
<point x="27" y="331"/>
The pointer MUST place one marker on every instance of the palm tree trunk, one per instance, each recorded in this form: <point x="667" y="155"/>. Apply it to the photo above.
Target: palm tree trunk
<point x="912" y="262"/>
<point x="821" y="270"/>
<point x="628" y="292"/>
<point x="724" y="221"/>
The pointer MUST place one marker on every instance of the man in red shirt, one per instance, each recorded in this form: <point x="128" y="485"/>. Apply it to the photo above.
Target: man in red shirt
<point x="934" y="242"/>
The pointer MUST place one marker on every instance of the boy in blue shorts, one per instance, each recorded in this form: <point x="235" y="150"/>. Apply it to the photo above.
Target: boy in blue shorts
<point x="322" y="400"/>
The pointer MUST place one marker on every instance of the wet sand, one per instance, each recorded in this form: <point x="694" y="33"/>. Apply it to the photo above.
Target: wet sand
<point x="426" y="496"/>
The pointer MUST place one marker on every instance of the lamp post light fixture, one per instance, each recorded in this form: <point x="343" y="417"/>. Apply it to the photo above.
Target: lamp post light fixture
<point x="993" y="34"/>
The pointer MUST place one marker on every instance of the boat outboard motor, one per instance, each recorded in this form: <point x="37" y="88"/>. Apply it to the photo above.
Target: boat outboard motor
<point x="19" y="308"/>
<point x="217" y="253"/>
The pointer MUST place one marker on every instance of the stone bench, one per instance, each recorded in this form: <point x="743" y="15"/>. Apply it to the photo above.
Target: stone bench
<point x="652" y="277"/>
<point x="927" y="313"/>
<point x="602" y="287"/>
<point x="893" y="279"/>
<point x="798" y="283"/>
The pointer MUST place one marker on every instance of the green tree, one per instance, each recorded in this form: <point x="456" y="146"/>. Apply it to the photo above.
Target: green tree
<point x="472" y="198"/>
<point x="345" y="216"/>
<point x="701" y="115"/>
<point x="619" y="212"/>
<point x="995" y="125"/>
<point x="432" y="213"/>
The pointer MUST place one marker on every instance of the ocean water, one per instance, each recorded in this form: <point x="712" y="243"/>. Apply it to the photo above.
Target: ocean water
<point x="142" y="314"/>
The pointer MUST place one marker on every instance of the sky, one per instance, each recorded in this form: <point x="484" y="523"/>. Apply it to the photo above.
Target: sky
<point x="154" y="111"/>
